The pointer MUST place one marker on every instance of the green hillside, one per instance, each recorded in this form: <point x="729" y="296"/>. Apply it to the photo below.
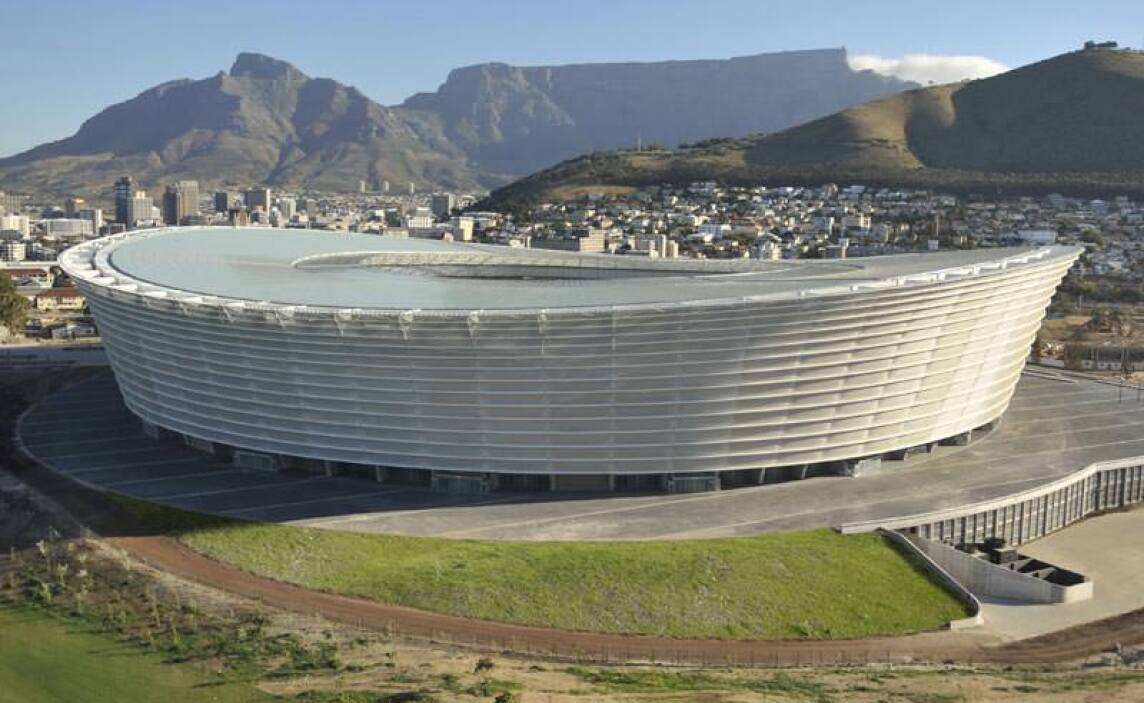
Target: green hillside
<point x="1070" y="123"/>
<point x="795" y="585"/>
<point x="44" y="660"/>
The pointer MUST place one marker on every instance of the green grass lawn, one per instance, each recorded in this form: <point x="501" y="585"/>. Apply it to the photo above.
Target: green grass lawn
<point x="804" y="584"/>
<point x="44" y="660"/>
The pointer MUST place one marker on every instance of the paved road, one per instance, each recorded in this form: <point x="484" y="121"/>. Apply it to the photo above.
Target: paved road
<point x="1109" y="549"/>
<point x="1053" y="427"/>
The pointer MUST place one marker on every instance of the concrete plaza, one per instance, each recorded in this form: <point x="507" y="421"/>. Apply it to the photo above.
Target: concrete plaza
<point x="1055" y="425"/>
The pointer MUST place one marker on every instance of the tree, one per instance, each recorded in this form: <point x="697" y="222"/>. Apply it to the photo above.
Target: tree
<point x="1038" y="350"/>
<point x="1074" y="354"/>
<point x="13" y="306"/>
<point x="60" y="279"/>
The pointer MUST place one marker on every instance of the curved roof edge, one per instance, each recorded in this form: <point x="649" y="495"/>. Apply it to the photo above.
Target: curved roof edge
<point x="90" y="263"/>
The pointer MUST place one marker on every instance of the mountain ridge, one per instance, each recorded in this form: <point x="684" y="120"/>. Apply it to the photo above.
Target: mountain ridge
<point x="266" y="121"/>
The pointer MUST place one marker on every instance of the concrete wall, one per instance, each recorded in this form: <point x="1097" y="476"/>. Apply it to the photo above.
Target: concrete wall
<point x="1030" y="514"/>
<point x="939" y="574"/>
<point x="985" y="579"/>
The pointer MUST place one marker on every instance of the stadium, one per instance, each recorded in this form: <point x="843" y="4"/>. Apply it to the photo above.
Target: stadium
<point x="474" y="368"/>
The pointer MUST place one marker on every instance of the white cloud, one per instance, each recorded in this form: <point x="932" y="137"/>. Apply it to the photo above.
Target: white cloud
<point x="925" y="68"/>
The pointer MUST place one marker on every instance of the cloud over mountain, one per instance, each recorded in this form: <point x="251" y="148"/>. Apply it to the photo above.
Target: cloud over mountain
<point x="927" y="68"/>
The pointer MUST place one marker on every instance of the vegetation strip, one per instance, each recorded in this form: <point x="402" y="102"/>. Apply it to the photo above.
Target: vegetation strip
<point x="807" y="585"/>
<point x="44" y="660"/>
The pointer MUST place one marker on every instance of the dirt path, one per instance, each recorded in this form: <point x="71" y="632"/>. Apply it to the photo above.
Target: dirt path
<point x="1073" y="643"/>
<point x="1067" y="645"/>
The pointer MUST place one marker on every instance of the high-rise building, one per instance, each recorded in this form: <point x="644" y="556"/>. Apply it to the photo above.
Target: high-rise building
<point x="13" y="250"/>
<point x="140" y="209"/>
<point x="462" y="229"/>
<point x="442" y="204"/>
<point x="238" y="217"/>
<point x="68" y="228"/>
<point x="124" y="192"/>
<point x="94" y="215"/>
<point x="258" y="198"/>
<point x="223" y="201"/>
<point x="170" y="205"/>
<point x="11" y="202"/>
<point x="309" y="206"/>
<point x="180" y="201"/>
<point x="73" y="205"/>
<point x="287" y="208"/>
<point x="420" y="218"/>
<point x="16" y="223"/>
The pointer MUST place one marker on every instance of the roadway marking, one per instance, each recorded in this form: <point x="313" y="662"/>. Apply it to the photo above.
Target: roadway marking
<point x="103" y="399"/>
<point x="323" y="523"/>
<point x="40" y="426"/>
<point x="713" y="495"/>
<point x="76" y="401"/>
<point x="105" y="440"/>
<point x="40" y="415"/>
<point x="275" y="506"/>
<point x="132" y="465"/>
<point x="135" y="481"/>
<point x="238" y="489"/>
<point x="49" y="459"/>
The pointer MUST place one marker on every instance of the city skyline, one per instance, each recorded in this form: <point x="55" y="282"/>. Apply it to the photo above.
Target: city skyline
<point x="371" y="47"/>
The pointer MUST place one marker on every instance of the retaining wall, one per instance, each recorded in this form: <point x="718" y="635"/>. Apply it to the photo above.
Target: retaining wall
<point x="939" y="574"/>
<point x="1029" y="514"/>
<point x="983" y="578"/>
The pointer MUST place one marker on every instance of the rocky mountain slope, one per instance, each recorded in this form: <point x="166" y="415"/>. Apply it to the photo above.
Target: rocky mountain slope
<point x="264" y="121"/>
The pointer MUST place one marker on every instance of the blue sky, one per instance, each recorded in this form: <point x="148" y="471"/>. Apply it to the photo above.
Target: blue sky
<point x="63" y="60"/>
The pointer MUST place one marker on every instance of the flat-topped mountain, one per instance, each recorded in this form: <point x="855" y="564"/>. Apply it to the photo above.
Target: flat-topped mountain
<point x="512" y="119"/>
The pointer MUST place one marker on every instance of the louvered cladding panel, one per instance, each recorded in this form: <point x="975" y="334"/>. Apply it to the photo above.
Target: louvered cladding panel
<point x="706" y="386"/>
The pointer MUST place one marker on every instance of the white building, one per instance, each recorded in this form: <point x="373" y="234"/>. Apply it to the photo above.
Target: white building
<point x="141" y="210"/>
<point x="716" y="230"/>
<point x="287" y="207"/>
<point x="530" y="362"/>
<point x="1038" y="237"/>
<point x="16" y="223"/>
<point x="856" y="221"/>
<point x="420" y="218"/>
<point x="463" y="228"/>
<point x="13" y="251"/>
<point x="93" y="215"/>
<point x="68" y="228"/>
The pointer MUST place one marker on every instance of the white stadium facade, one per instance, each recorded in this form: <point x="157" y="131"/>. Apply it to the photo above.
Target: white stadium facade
<point x="473" y="368"/>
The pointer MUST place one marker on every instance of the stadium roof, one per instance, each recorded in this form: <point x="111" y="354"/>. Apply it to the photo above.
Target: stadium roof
<point x="338" y="270"/>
